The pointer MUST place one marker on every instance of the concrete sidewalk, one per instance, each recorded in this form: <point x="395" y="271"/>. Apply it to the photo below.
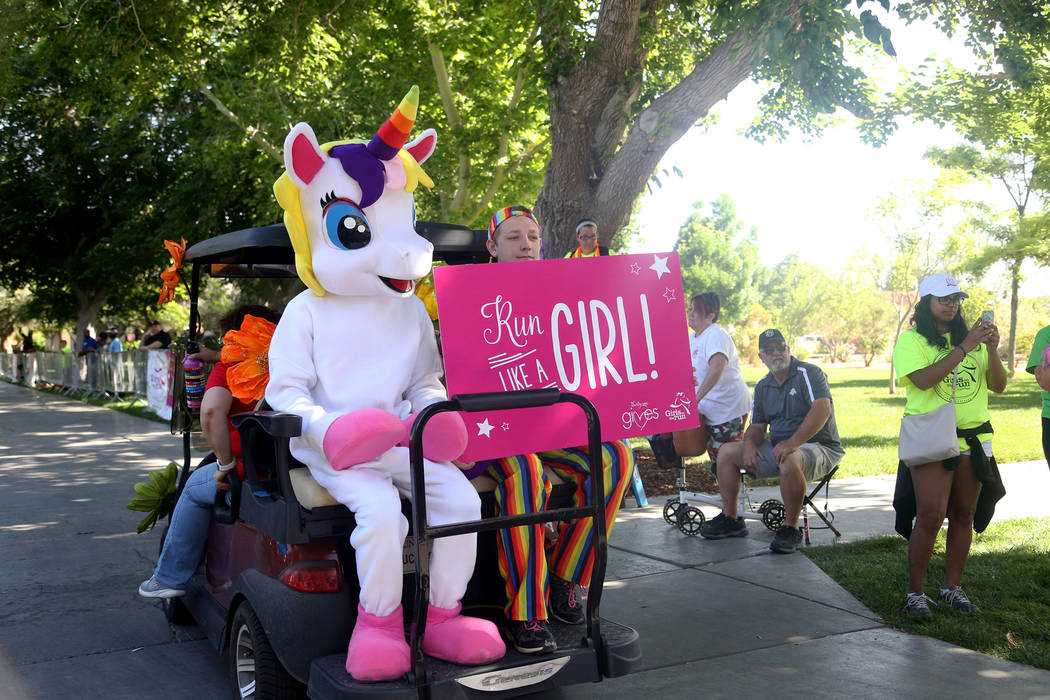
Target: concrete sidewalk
<point x="719" y="619"/>
<point x="732" y="619"/>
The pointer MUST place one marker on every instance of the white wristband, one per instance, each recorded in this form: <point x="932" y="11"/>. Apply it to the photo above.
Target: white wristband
<point x="227" y="467"/>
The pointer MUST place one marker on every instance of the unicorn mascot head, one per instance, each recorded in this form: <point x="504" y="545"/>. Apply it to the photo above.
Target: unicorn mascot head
<point x="326" y="190"/>
<point x="355" y="357"/>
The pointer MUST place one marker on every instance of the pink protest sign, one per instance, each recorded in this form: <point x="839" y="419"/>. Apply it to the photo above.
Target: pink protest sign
<point x="610" y="328"/>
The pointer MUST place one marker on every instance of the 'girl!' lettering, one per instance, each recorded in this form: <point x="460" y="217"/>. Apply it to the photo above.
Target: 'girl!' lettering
<point x="599" y="341"/>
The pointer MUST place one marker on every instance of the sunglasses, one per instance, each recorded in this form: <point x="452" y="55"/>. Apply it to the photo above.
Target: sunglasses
<point x="774" y="348"/>
<point x="953" y="300"/>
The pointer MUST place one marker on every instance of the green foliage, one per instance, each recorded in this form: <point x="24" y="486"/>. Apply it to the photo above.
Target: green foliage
<point x="155" y="497"/>
<point x="1006" y="574"/>
<point x="718" y="255"/>
<point x="797" y="294"/>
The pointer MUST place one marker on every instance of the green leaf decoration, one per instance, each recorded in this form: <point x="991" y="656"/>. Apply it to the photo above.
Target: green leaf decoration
<point x="156" y="497"/>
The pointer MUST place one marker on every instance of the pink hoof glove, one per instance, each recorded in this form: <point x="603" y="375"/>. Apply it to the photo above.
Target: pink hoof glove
<point x="378" y="650"/>
<point x="361" y="436"/>
<point x="463" y="640"/>
<point x="444" y="438"/>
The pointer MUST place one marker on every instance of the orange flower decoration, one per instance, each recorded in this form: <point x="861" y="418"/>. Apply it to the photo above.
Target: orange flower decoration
<point x="247" y="352"/>
<point x="170" y="277"/>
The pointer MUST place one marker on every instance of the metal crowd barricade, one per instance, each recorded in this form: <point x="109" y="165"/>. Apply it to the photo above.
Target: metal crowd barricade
<point x="117" y="375"/>
<point x="9" y="366"/>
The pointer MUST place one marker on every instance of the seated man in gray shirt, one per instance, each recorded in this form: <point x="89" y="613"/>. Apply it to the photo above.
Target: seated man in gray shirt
<point x="794" y="402"/>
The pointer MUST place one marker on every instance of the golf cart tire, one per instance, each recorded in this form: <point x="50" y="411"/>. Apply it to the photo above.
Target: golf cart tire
<point x="255" y="671"/>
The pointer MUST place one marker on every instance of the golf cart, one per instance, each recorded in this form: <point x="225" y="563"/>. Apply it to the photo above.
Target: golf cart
<point x="277" y="590"/>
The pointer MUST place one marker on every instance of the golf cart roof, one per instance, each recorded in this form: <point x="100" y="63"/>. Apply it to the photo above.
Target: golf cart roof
<point x="266" y="251"/>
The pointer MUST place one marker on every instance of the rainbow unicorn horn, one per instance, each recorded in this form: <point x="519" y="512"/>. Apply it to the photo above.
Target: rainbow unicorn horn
<point x="395" y="130"/>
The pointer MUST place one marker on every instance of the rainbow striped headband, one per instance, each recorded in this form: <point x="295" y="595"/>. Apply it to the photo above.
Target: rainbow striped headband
<point x="507" y="212"/>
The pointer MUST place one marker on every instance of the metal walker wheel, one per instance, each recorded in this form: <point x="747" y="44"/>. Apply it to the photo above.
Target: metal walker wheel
<point x="772" y="512"/>
<point x="671" y="511"/>
<point x="690" y="520"/>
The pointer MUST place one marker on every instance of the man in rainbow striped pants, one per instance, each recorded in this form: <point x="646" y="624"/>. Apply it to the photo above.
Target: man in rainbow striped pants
<point x="536" y="588"/>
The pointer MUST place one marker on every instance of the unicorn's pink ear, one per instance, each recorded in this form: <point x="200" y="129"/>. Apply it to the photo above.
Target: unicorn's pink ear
<point x="303" y="157"/>
<point x="423" y="145"/>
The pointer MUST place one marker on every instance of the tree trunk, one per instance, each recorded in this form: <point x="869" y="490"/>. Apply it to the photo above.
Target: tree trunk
<point x="89" y="302"/>
<point x="587" y="176"/>
<point x="1011" y="349"/>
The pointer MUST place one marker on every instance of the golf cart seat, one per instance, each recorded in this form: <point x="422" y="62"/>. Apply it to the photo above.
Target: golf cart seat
<point x="270" y="499"/>
<point x="282" y="499"/>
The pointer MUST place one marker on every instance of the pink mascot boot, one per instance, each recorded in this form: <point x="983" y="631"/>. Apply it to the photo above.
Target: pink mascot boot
<point x="378" y="650"/>
<point x="444" y="438"/>
<point x="463" y="640"/>
<point x="361" y="436"/>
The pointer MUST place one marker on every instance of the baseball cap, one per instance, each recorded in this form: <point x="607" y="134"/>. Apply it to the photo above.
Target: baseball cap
<point x="154" y="322"/>
<point x="769" y="337"/>
<point x="940" y="285"/>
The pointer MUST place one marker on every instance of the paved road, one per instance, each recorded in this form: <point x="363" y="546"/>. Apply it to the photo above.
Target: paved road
<point x="721" y="619"/>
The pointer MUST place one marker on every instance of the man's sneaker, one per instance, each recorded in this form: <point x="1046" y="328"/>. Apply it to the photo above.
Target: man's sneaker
<point x="530" y="637"/>
<point x="956" y="597"/>
<point x="918" y="605"/>
<point x="720" y="527"/>
<point x="151" y="588"/>
<point x="565" y="606"/>
<point x="787" y="540"/>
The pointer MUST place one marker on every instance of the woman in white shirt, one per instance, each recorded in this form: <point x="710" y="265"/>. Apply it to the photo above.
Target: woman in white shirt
<point x="722" y="396"/>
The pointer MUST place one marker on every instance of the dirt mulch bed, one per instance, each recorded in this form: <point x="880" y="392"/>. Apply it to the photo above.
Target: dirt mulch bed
<point x="659" y="479"/>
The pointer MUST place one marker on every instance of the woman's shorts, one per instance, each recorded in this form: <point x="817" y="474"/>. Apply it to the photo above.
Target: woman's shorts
<point x="950" y="465"/>
<point x="719" y="434"/>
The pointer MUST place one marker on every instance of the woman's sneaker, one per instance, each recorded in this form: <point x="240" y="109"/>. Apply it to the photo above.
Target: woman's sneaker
<point x="956" y="597"/>
<point x="531" y="636"/>
<point x="720" y="527"/>
<point x="918" y="605"/>
<point x="152" y="588"/>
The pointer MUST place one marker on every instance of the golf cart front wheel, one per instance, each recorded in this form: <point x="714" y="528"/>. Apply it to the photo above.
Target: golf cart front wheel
<point x="255" y="670"/>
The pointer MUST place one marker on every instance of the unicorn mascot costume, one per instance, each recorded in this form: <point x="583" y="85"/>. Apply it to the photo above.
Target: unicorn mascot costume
<point x="355" y="357"/>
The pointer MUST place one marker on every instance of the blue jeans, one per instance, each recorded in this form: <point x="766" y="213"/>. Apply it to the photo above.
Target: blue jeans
<point x="188" y="532"/>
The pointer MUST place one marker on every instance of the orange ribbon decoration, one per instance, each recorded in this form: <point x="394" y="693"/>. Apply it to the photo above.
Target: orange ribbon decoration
<point x="170" y="277"/>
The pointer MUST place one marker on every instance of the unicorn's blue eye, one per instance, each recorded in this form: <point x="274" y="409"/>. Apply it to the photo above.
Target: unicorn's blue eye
<point x="346" y="225"/>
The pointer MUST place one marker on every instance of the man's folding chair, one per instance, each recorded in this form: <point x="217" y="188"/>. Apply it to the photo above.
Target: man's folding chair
<point x="824" y="514"/>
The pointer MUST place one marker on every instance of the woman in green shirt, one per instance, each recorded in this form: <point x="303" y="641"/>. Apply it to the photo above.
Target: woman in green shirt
<point x="939" y="353"/>
<point x="1039" y="365"/>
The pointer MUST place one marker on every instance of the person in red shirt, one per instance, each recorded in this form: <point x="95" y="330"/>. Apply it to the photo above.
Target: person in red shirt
<point x="188" y="531"/>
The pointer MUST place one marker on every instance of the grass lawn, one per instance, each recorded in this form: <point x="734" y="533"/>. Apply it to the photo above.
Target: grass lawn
<point x="1007" y="575"/>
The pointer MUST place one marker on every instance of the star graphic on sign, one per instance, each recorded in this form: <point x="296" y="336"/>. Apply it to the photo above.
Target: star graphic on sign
<point x="669" y="294"/>
<point x="635" y="268"/>
<point x="505" y="426"/>
<point x="484" y="428"/>
<point x="659" y="266"/>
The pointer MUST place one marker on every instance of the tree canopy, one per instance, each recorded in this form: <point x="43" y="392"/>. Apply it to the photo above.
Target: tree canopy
<point x="718" y="255"/>
<point x="168" y="116"/>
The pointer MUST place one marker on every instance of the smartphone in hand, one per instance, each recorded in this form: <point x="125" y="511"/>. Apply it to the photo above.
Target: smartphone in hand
<point x="988" y="316"/>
